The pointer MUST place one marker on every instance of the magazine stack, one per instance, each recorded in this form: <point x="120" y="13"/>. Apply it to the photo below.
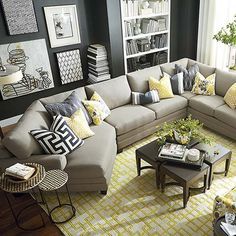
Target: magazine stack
<point x="97" y="63"/>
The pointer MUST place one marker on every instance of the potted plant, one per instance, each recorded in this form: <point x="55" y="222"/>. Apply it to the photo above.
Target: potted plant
<point x="227" y="35"/>
<point x="182" y="131"/>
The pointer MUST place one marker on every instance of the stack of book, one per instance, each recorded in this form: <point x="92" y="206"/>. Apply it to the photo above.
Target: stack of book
<point x="97" y="63"/>
<point x="20" y="171"/>
<point x="161" y="40"/>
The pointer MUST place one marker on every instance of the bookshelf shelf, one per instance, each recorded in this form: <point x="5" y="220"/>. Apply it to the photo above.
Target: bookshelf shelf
<point x="145" y="35"/>
<point x="143" y="32"/>
<point x="126" y="18"/>
<point x="147" y="52"/>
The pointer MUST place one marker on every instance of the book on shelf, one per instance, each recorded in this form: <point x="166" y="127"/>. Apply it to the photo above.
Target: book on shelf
<point x="153" y="25"/>
<point x="130" y="8"/>
<point x="159" y="6"/>
<point x="20" y="171"/>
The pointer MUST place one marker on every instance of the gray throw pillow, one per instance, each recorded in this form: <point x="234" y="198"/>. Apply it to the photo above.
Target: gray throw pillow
<point x="177" y="83"/>
<point x="147" y="98"/>
<point x="69" y="106"/>
<point x="189" y="75"/>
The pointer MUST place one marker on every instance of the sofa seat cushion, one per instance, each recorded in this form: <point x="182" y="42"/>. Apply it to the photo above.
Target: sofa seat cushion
<point x="115" y="92"/>
<point x="129" y="117"/>
<point x="168" y="106"/>
<point x="206" y="104"/>
<point x="188" y="94"/>
<point x="226" y="114"/>
<point x="94" y="158"/>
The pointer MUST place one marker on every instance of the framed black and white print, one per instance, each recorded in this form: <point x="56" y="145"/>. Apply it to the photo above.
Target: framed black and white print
<point x="20" y="16"/>
<point x="32" y="58"/>
<point x="63" y="25"/>
<point x="70" y="66"/>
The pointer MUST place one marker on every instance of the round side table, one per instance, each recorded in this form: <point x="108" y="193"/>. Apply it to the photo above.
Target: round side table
<point x="24" y="186"/>
<point x="54" y="180"/>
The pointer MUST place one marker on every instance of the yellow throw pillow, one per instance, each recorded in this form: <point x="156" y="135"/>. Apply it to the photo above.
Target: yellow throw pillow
<point x="97" y="109"/>
<point x="204" y="86"/>
<point x="78" y="123"/>
<point x="163" y="86"/>
<point x="230" y="97"/>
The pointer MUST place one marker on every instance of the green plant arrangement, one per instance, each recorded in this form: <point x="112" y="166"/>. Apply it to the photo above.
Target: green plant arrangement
<point x="227" y="35"/>
<point x="182" y="130"/>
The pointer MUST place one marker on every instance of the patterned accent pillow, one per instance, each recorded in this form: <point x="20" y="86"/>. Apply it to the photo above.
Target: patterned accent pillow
<point x="147" y="98"/>
<point x="97" y="108"/>
<point x="163" y="86"/>
<point x="60" y="139"/>
<point x="230" y="97"/>
<point x="68" y="107"/>
<point x="177" y="83"/>
<point x="189" y="75"/>
<point x="78" y="123"/>
<point x="204" y="86"/>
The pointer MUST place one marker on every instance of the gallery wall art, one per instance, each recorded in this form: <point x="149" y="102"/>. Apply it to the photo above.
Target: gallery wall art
<point x="32" y="59"/>
<point x="20" y="16"/>
<point x="63" y="25"/>
<point x="70" y="66"/>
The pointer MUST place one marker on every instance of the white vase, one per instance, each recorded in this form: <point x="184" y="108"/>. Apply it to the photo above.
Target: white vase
<point x="182" y="139"/>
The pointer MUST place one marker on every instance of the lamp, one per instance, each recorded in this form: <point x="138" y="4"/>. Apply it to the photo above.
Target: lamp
<point x="9" y="73"/>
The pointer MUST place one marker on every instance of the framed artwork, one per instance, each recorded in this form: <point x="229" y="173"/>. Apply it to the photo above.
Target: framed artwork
<point x="32" y="59"/>
<point x="70" y="66"/>
<point x="20" y="16"/>
<point x="63" y="25"/>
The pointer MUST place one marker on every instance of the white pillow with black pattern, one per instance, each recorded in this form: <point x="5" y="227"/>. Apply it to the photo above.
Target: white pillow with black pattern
<point x="60" y="139"/>
<point x="145" y="98"/>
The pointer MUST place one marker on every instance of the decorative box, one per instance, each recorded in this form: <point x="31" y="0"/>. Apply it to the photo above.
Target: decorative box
<point x="143" y="45"/>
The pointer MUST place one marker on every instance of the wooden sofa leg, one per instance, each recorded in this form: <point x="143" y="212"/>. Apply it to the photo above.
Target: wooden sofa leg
<point x="119" y="151"/>
<point x="104" y="192"/>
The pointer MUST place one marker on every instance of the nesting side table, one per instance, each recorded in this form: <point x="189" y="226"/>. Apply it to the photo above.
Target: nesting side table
<point x="54" y="180"/>
<point x="20" y="187"/>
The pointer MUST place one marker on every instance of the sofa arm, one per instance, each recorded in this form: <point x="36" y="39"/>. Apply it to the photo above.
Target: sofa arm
<point x="47" y="160"/>
<point x="222" y="205"/>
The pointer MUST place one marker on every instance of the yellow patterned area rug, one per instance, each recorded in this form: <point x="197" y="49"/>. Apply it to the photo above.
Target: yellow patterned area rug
<point x="133" y="205"/>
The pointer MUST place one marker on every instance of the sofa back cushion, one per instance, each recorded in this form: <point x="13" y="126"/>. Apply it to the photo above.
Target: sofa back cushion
<point x="60" y="97"/>
<point x="115" y="92"/>
<point x="19" y="141"/>
<point x="204" y="69"/>
<point x="224" y="80"/>
<point x="170" y="69"/>
<point x="138" y="80"/>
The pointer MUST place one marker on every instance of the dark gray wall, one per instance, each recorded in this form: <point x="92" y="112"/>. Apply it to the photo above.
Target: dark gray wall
<point x="18" y="105"/>
<point x="100" y="22"/>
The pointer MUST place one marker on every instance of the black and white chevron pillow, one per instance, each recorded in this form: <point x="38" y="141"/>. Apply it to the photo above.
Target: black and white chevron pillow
<point x="60" y="139"/>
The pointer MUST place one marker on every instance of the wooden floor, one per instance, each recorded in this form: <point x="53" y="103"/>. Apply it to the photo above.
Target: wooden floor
<point x="30" y="218"/>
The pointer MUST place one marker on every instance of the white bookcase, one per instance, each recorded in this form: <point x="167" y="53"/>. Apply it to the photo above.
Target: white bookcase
<point x="143" y="23"/>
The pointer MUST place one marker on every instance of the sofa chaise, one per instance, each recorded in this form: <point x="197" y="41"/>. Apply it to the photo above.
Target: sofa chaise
<point x="90" y="166"/>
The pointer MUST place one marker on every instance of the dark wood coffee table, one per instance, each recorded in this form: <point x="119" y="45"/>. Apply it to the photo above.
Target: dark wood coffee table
<point x="184" y="177"/>
<point x="148" y="153"/>
<point x="216" y="154"/>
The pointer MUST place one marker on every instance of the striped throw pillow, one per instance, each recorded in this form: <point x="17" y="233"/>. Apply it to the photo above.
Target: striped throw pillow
<point x="147" y="98"/>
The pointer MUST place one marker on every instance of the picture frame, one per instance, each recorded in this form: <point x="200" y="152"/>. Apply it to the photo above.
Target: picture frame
<point x="63" y="25"/>
<point x="19" y="16"/>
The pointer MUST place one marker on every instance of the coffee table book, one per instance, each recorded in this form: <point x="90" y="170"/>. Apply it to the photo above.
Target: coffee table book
<point x="20" y="171"/>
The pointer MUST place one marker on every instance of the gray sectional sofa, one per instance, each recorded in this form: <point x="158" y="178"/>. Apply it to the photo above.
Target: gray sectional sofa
<point x="90" y="166"/>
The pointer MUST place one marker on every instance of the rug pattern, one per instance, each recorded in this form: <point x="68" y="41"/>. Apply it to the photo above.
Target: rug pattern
<point x="133" y="205"/>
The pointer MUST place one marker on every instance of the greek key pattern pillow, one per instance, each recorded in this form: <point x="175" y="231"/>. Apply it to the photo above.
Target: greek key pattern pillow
<point x="147" y="98"/>
<point x="60" y="139"/>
